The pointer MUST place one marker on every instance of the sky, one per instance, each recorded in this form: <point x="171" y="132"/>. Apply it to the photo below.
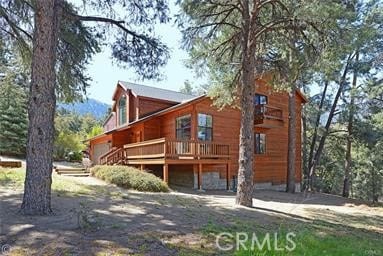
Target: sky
<point x="105" y="74"/>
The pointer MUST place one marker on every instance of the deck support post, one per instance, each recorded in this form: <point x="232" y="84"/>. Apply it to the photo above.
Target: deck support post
<point x="228" y="176"/>
<point x="142" y="167"/>
<point x="166" y="173"/>
<point x="200" y="176"/>
<point x="195" y="174"/>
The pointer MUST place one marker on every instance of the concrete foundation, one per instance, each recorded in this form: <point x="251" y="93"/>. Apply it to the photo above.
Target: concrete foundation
<point x="210" y="180"/>
<point x="280" y="187"/>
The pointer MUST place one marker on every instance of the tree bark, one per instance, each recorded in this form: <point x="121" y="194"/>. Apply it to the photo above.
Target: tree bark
<point x="41" y="110"/>
<point x="246" y="138"/>
<point x="317" y="123"/>
<point x="348" y="159"/>
<point x="304" y="149"/>
<point x="246" y="143"/>
<point x="292" y="143"/>
<point x="318" y="153"/>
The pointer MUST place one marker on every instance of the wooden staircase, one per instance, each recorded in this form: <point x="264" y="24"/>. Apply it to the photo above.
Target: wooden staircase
<point x="75" y="172"/>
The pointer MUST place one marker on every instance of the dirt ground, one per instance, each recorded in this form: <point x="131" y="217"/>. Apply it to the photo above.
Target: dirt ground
<point x="114" y="221"/>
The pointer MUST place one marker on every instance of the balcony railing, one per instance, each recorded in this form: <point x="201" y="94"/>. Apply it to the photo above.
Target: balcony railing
<point x="264" y="112"/>
<point x="167" y="149"/>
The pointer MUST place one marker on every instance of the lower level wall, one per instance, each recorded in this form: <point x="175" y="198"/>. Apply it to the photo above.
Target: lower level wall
<point x="181" y="175"/>
<point x="280" y="187"/>
<point x="210" y="180"/>
<point x="184" y="175"/>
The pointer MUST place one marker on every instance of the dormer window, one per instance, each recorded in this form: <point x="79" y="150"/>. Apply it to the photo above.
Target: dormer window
<point x="122" y="110"/>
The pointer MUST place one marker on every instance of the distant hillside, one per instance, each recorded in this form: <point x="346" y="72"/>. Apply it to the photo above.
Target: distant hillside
<point x="97" y="108"/>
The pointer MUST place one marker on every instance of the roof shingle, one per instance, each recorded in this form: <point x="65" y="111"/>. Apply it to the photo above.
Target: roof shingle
<point x="157" y="93"/>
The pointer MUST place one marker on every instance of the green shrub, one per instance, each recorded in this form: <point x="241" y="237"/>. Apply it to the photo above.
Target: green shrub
<point x="74" y="156"/>
<point x="130" y="178"/>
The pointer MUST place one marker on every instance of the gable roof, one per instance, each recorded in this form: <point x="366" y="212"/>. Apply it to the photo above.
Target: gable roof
<point x="156" y="93"/>
<point x="159" y="113"/>
<point x="303" y="96"/>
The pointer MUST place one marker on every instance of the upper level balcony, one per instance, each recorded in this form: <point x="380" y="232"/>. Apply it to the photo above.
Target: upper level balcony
<point x="268" y="116"/>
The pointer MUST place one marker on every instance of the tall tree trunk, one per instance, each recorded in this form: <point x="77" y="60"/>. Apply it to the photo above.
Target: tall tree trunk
<point x="304" y="150"/>
<point x="246" y="137"/>
<point x="314" y="138"/>
<point x="318" y="153"/>
<point x="375" y="186"/>
<point x="348" y="160"/>
<point x="41" y="110"/>
<point x="292" y="143"/>
<point x="317" y="123"/>
<point x="246" y="143"/>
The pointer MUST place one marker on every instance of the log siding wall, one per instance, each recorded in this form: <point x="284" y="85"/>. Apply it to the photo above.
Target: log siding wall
<point x="269" y="167"/>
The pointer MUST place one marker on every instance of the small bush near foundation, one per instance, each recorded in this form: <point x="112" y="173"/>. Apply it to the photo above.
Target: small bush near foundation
<point x="130" y="178"/>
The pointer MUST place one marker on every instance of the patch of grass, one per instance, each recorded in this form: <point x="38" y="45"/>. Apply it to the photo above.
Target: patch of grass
<point x="12" y="177"/>
<point x="313" y="243"/>
<point x="15" y="178"/>
<point x="313" y="240"/>
<point x="130" y="178"/>
<point x="62" y="186"/>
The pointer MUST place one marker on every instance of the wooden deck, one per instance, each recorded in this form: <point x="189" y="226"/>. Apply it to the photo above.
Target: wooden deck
<point x="163" y="150"/>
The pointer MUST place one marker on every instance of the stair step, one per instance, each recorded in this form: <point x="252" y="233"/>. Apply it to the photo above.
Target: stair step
<point x="63" y="172"/>
<point x="72" y="171"/>
<point x="75" y="174"/>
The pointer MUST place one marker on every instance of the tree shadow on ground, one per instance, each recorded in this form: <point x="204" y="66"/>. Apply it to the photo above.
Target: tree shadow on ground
<point x="117" y="221"/>
<point x="282" y="197"/>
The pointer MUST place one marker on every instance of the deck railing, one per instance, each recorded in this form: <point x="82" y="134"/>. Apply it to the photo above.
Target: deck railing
<point x="262" y="112"/>
<point x="115" y="155"/>
<point x="145" y="149"/>
<point x="168" y="149"/>
<point x="196" y="149"/>
<point x="103" y="158"/>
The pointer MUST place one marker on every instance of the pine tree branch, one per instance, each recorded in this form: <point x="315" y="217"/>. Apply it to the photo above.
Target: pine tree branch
<point x="9" y="33"/>
<point x="229" y="4"/>
<point x="273" y="2"/>
<point x="118" y="23"/>
<point x="13" y="25"/>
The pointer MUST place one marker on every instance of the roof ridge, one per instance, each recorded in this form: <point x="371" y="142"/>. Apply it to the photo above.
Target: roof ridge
<point x="186" y="94"/>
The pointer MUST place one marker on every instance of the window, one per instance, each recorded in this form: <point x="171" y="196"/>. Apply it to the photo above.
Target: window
<point x="260" y="99"/>
<point x="183" y="127"/>
<point x="260" y="143"/>
<point x="122" y="110"/>
<point x="205" y="127"/>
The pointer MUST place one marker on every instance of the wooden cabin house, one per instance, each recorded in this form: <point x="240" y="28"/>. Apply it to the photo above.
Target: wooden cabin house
<point x="187" y="141"/>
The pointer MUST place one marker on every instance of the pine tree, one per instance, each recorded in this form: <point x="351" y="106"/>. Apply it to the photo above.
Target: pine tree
<point x="13" y="116"/>
<point x="233" y="40"/>
<point x="63" y="42"/>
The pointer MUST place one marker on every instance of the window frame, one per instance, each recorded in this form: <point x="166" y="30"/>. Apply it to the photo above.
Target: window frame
<point x="183" y="128"/>
<point x="257" y="143"/>
<point x="206" y="127"/>
<point x="122" y="114"/>
<point x="259" y="99"/>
